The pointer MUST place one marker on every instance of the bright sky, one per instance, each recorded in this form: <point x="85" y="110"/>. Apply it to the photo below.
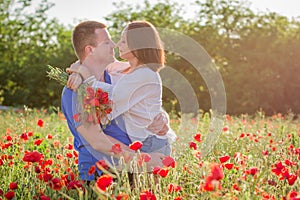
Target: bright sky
<point x="68" y="10"/>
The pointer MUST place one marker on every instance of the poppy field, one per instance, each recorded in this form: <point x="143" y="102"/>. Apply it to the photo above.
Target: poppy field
<point x="255" y="157"/>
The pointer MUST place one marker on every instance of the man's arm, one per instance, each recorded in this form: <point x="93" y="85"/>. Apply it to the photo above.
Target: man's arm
<point x="101" y="142"/>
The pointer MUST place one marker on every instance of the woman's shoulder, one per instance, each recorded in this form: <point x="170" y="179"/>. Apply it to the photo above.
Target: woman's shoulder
<point x="144" y="73"/>
<point x="117" y="66"/>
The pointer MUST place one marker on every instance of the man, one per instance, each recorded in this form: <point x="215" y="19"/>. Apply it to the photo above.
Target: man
<point x="95" y="49"/>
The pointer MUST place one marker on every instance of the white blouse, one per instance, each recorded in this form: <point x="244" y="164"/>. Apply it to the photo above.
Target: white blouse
<point x="137" y="97"/>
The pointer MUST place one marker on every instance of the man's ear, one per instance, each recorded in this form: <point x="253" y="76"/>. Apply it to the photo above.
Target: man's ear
<point x="88" y="50"/>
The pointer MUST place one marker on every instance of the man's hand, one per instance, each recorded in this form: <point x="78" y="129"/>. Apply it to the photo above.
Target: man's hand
<point x="160" y="124"/>
<point x="156" y="161"/>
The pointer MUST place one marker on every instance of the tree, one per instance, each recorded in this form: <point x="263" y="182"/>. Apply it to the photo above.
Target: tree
<point x="29" y="42"/>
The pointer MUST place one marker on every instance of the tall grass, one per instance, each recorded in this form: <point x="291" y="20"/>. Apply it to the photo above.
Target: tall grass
<point x="255" y="146"/>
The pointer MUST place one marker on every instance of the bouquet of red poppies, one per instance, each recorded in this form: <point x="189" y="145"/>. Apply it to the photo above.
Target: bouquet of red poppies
<point x="94" y="106"/>
<point x="93" y="103"/>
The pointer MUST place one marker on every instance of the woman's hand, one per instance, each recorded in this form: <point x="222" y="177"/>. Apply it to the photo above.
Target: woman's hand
<point x="80" y="69"/>
<point x="78" y="73"/>
<point x="74" y="81"/>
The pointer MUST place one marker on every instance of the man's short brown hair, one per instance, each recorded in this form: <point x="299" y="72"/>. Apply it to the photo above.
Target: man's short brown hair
<point x="83" y="35"/>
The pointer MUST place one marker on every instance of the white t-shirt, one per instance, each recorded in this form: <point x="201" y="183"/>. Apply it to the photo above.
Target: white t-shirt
<point x="137" y="97"/>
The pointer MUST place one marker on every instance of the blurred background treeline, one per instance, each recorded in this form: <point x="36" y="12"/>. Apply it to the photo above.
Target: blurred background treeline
<point x="257" y="54"/>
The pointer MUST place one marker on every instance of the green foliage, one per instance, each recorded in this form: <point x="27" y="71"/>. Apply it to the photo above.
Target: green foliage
<point x="29" y="42"/>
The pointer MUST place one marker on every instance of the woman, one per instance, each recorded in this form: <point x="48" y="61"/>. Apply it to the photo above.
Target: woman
<point x="136" y="91"/>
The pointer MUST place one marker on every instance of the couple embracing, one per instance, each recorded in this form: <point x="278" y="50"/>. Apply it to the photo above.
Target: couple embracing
<point x="134" y="87"/>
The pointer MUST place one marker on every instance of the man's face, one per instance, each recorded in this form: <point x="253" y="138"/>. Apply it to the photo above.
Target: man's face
<point x="104" y="49"/>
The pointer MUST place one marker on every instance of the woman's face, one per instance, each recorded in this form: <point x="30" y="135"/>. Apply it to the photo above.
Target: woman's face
<point x="124" y="51"/>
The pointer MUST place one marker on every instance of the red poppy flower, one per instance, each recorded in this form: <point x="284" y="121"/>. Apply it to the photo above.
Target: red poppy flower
<point x="56" y="184"/>
<point x="163" y="172"/>
<point x="143" y="157"/>
<point x="37" y="169"/>
<point x="291" y="179"/>
<point x="24" y="136"/>
<point x="47" y="177"/>
<point x="38" y="142"/>
<point x="49" y="136"/>
<point x="236" y="187"/>
<point x="136" y="145"/>
<point x="156" y="170"/>
<point x="173" y="187"/>
<point x="108" y="110"/>
<point x="294" y="195"/>
<point x="168" y="162"/>
<point x="30" y="133"/>
<point x="90" y="92"/>
<point x="32" y="156"/>
<point x="92" y="170"/>
<point x="216" y="172"/>
<point x="147" y="195"/>
<point x="104" y="181"/>
<point x="13" y="185"/>
<point x="225" y="128"/>
<point x="8" y="138"/>
<point x="44" y="197"/>
<point x="40" y="123"/>
<point x="76" y="117"/>
<point x="193" y="145"/>
<point x="68" y="146"/>
<point x="74" y="185"/>
<point x="279" y="167"/>
<point x="69" y="155"/>
<point x="122" y="196"/>
<point x="102" y="164"/>
<point x="94" y="102"/>
<point x="229" y="165"/>
<point x="197" y="137"/>
<point x="103" y="96"/>
<point x="253" y="170"/>
<point x="208" y="186"/>
<point x="96" y="105"/>
<point x="9" y="195"/>
<point x="224" y="158"/>
<point x="265" y="152"/>
<point x="116" y="149"/>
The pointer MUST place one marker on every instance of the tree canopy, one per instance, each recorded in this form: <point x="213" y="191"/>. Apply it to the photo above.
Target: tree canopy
<point x="256" y="53"/>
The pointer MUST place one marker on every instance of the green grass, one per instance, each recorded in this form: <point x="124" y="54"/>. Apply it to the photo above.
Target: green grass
<point x="245" y="141"/>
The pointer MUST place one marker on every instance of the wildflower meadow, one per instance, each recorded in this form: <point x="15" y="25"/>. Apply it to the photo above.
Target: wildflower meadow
<point x="255" y="157"/>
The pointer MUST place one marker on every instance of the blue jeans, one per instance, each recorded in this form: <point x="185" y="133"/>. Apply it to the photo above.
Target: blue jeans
<point x="154" y="144"/>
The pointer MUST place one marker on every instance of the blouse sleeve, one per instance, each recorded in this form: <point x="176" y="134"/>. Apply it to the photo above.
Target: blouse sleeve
<point x="92" y="81"/>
